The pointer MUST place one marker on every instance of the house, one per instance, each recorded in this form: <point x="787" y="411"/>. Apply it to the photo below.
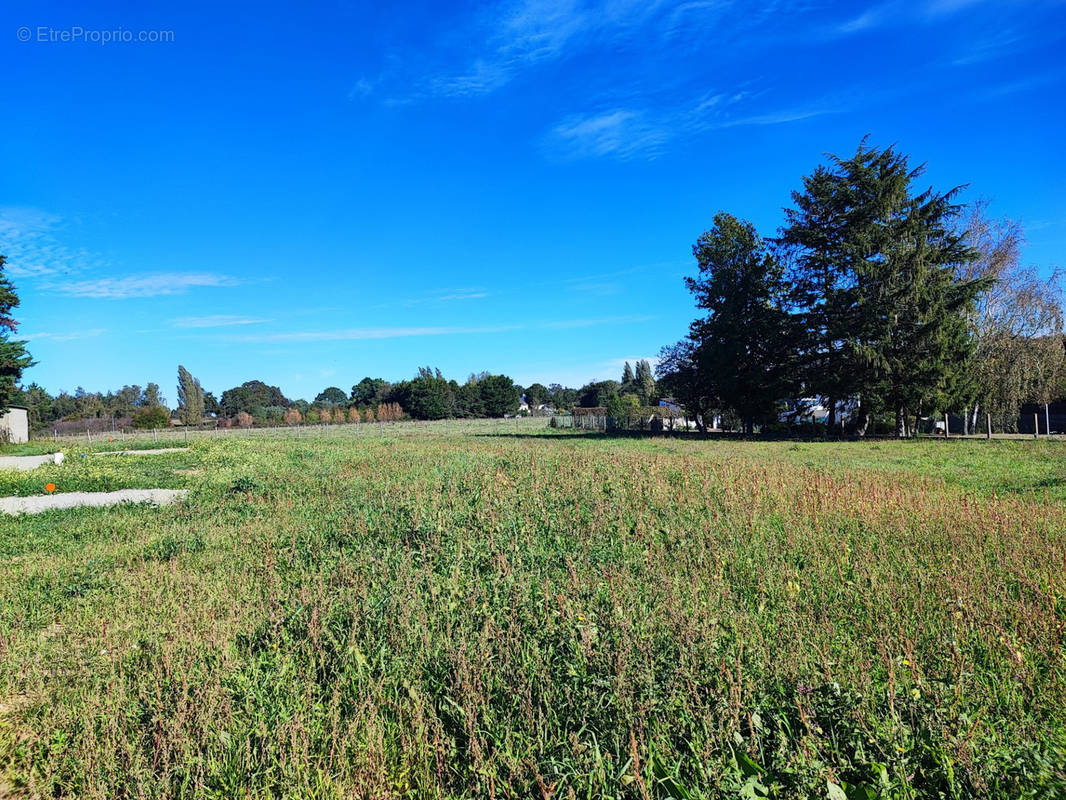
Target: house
<point x="15" y="425"/>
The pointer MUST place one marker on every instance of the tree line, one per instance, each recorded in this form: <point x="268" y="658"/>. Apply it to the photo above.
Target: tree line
<point x="875" y="301"/>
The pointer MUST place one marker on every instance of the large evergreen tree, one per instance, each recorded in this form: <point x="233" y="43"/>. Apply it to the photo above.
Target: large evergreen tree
<point x="874" y="280"/>
<point x="742" y="347"/>
<point x="13" y="356"/>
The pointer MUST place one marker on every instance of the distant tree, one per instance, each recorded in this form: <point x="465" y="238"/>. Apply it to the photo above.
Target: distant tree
<point x="598" y="393"/>
<point x="499" y="395"/>
<point x="537" y="394"/>
<point x="562" y="397"/>
<point x="330" y="397"/>
<point x="244" y="419"/>
<point x="354" y="415"/>
<point x="628" y="379"/>
<point x="468" y="399"/>
<point x="151" y="417"/>
<point x="190" y="398"/>
<point x="679" y="380"/>
<point x="427" y="396"/>
<point x="249" y="396"/>
<point x="211" y="404"/>
<point x="13" y="355"/>
<point x="743" y="345"/>
<point x="369" y="391"/>
<point x="151" y="397"/>
<point x="293" y="416"/>
<point x="645" y="382"/>
<point x="1017" y="324"/>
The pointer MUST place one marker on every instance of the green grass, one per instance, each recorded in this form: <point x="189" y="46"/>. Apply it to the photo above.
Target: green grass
<point x="420" y="615"/>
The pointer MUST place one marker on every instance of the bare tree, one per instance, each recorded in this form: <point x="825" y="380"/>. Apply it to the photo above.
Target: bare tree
<point x="1017" y="324"/>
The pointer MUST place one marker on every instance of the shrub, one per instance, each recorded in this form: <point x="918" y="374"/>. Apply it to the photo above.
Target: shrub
<point x="154" y="417"/>
<point x="293" y="417"/>
<point x="244" y="420"/>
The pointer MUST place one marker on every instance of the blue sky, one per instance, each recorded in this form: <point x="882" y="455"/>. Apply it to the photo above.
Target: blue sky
<point x="309" y="195"/>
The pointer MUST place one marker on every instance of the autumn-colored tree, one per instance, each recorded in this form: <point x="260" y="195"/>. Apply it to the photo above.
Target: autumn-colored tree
<point x="339" y="415"/>
<point x="244" y="420"/>
<point x="353" y="415"/>
<point x="293" y="416"/>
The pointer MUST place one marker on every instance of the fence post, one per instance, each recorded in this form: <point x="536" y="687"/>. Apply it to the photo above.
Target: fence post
<point x="88" y="435"/>
<point x="947" y="432"/>
<point x="988" y="417"/>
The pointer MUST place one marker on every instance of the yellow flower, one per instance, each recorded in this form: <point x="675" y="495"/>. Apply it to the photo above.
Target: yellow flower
<point x="906" y="662"/>
<point x="915" y="694"/>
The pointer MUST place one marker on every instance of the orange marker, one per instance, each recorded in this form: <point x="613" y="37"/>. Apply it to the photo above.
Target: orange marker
<point x="49" y="487"/>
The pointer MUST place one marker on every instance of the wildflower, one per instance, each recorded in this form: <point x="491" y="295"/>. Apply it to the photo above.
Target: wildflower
<point x="49" y="487"/>
<point x="906" y="662"/>
<point x="915" y="693"/>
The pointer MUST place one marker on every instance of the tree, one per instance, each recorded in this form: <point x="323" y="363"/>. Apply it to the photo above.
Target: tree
<point x="597" y="394"/>
<point x="742" y="348"/>
<point x="151" y="417"/>
<point x="874" y="277"/>
<point x="537" y="394"/>
<point x="499" y="395"/>
<point x="679" y="379"/>
<point x="645" y="382"/>
<point x="293" y="416"/>
<point x="330" y="397"/>
<point x="211" y="404"/>
<point x="151" y="397"/>
<point x="251" y="396"/>
<point x="190" y="398"/>
<point x="369" y="391"/>
<point x="628" y="379"/>
<point x="13" y="355"/>
<point x="1017" y="324"/>
<point x="427" y="396"/>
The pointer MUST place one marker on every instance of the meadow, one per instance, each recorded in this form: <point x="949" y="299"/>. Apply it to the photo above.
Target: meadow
<point x="432" y="612"/>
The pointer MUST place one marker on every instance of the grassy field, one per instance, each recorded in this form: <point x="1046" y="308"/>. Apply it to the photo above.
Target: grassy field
<point x="433" y="612"/>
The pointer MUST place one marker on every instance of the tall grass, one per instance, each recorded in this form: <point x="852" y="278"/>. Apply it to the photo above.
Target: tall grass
<point x="547" y="617"/>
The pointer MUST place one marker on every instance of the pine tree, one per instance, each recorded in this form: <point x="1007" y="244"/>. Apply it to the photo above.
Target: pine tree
<point x="627" y="378"/>
<point x="874" y="279"/>
<point x="190" y="398"/>
<point x="742" y="348"/>
<point x="13" y="356"/>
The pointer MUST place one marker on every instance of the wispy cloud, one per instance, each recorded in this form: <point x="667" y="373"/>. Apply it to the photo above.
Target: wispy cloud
<point x="69" y="336"/>
<point x="216" y="321"/>
<point x="28" y="238"/>
<point x="355" y="334"/>
<point x="163" y="283"/>
<point x="621" y="133"/>
<point x="626" y="134"/>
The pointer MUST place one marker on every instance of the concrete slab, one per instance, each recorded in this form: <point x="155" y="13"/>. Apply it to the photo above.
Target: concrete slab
<point x="38" y="503"/>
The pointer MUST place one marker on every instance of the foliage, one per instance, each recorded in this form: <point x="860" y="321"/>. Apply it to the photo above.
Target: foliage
<point x="877" y="286"/>
<point x="369" y="392"/>
<point x="330" y="397"/>
<point x="250" y="396"/>
<point x="13" y="355"/>
<point x="190" y="398"/>
<point x="151" y="417"/>
<point x="743" y="348"/>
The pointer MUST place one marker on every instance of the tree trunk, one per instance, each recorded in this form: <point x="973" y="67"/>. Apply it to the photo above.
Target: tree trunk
<point x="901" y="423"/>
<point x="831" y="417"/>
<point x="862" y="420"/>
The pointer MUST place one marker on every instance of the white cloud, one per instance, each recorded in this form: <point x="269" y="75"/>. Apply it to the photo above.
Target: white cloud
<point x="620" y="133"/>
<point x="28" y="240"/>
<point x="155" y="285"/>
<point x="354" y="334"/>
<point x="216" y="321"/>
<point x="63" y="337"/>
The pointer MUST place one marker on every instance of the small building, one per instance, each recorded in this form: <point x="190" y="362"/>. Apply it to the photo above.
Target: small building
<point x="15" y="425"/>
